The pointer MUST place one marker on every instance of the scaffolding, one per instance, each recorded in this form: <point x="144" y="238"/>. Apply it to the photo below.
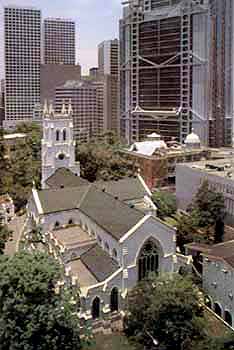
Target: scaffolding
<point x="157" y="67"/>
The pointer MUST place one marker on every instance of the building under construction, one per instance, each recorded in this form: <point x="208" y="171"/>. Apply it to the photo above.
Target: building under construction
<point x="165" y="68"/>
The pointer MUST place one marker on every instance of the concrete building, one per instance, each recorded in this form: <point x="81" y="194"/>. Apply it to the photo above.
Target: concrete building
<point x="108" y="67"/>
<point x="106" y="235"/>
<point x="93" y="72"/>
<point x="53" y="75"/>
<point x="2" y="102"/>
<point x="163" y="62"/>
<point x="218" y="173"/>
<point x="221" y="109"/>
<point x="108" y="57"/>
<point x="59" y="45"/>
<point x="22" y="27"/>
<point x="87" y="104"/>
<point x="217" y="280"/>
<point x="157" y="159"/>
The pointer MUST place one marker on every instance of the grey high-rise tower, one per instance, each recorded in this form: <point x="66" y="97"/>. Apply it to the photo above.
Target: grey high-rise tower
<point x="59" y="41"/>
<point x="22" y="63"/>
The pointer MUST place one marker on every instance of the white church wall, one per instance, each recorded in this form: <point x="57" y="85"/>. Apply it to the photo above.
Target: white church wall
<point x="164" y="238"/>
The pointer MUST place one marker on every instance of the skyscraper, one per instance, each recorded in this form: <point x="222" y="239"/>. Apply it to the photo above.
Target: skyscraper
<point x="164" y="68"/>
<point x="108" y="57"/>
<point x="221" y="98"/>
<point x="59" y="41"/>
<point x="108" y="69"/>
<point x="22" y="63"/>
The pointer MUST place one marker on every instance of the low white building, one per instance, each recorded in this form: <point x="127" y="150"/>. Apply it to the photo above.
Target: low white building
<point x="106" y="234"/>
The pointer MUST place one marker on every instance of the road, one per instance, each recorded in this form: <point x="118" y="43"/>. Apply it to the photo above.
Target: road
<point x="16" y="225"/>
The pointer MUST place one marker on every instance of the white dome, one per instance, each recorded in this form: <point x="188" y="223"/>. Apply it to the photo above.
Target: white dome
<point x="192" y="139"/>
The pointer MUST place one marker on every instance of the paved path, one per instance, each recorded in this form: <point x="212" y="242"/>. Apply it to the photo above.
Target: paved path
<point x="16" y="225"/>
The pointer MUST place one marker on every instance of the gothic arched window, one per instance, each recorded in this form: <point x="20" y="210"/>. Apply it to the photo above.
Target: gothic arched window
<point x="64" y="135"/>
<point x="57" y="135"/>
<point x="114" y="300"/>
<point x="148" y="260"/>
<point x="96" y="308"/>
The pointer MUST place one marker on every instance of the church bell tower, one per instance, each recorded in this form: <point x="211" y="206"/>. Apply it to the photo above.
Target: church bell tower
<point x="58" y="146"/>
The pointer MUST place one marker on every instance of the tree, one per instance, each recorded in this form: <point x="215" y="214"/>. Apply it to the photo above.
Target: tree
<point x="5" y="235"/>
<point x="33" y="315"/>
<point x="165" y="203"/>
<point x="208" y="210"/>
<point x="103" y="161"/>
<point x="168" y="310"/>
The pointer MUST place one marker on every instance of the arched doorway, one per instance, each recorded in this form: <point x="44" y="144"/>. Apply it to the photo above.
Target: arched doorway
<point x="114" y="300"/>
<point x="96" y="308"/>
<point x="228" y="317"/>
<point x="148" y="260"/>
<point x="217" y="309"/>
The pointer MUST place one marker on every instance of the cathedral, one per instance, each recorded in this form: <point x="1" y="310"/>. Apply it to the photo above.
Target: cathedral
<point x="105" y="234"/>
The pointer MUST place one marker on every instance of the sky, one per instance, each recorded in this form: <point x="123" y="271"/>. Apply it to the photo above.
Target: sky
<point x="96" y="20"/>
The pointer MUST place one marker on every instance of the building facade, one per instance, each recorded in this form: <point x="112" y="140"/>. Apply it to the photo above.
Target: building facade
<point x="58" y="146"/>
<point x="54" y="75"/>
<point x="218" y="173"/>
<point x="106" y="236"/>
<point x="22" y="63"/>
<point x="217" y="280"/>
<point x="221" y="110"/>
<point x="163" y="62"/>
<point x="108" y="67"/>
<point x="89" y="99"/>
<point x="59" y="45"/>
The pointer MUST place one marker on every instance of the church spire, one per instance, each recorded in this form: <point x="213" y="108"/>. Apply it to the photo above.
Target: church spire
<point x="63" y="110"/>
<point x="51" y="109"/>
<point x="70" y="110"/>
<point x="45" y="109"/>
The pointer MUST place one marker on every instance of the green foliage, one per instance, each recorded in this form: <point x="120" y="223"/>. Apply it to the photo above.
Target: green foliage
<point x="101" y="160"/>
<point x="22" y="166"/>
<point x="32" y="315"/>
<point x="5" y="235"/>
<point x="165" y="203"/>
<point x="208" y="210"/>
<point x="167" y="309"/>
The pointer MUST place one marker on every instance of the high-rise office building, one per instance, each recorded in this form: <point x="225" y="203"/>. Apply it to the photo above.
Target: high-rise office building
<point x="108" y="68"/>
<point x="108" y="57"/>
<point x="86" y="98"/>
<point x="22" y="63"/>
<point x="221" y="97"/>
<point x="59" y="44"/>
<point x="164" y="68"/>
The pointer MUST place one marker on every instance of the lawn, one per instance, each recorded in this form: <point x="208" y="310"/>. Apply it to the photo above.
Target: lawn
<point x="112" y="342"/>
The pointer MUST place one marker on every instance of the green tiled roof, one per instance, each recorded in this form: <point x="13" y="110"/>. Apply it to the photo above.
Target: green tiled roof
<point x="114" y="216"/>
<point x="125" y="189"/>
<point x="99" y="263"/>
<point x="65" y="178"/>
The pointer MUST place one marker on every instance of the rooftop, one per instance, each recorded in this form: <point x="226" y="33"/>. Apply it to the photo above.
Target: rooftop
<point x="220" y="167"/>
<point x="113" y="215"/>
<point x="65" y="178"/>
<point x="99" y="263"/>
<point x="72" y="235"/>
<point x="85" y="277"/>
<point x="223" y="251"/>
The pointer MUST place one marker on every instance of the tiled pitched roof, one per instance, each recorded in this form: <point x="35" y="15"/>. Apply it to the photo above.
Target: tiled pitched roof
<point x="125" y="189"/>
<point x="65" y="178"/>
<point x="62" y="199"/>
<point x="112" y="215"/>
<point x="223" y="251"/>
<point x="99" y="263"/>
